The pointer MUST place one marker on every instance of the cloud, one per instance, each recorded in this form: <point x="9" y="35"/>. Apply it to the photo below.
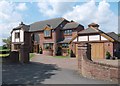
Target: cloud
<point x="9" y="18"/>
<point x="89" y="12"/>
<point x="21" y="7"/>
<point x="52" y="8"/>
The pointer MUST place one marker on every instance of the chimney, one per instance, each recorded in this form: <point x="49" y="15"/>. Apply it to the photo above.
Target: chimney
<point x="94" y="25"/>
<point x="71" y="21"/>
<point x="21" y="23"/>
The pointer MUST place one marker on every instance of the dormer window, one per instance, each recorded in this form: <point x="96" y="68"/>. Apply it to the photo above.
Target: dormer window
<point x="47" y="33"/>
<point x="17" y="35"/>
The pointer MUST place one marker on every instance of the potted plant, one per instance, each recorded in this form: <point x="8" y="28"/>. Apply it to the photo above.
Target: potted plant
<point x="40" y="50"/>
<point x="108" y="55"/>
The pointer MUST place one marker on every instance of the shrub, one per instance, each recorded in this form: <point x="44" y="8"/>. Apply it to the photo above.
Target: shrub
<point x="108" y="55"/>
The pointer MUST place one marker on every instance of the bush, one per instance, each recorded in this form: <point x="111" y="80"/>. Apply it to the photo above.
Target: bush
<point x="108" y="55"/>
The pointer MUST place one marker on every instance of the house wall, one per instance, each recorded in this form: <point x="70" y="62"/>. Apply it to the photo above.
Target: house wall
<point x="21" y="39"/>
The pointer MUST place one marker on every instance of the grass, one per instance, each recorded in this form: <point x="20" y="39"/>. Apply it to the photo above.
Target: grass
<point x="4" y="55"/>
<point x="4" y="49"/>
<point x="32" y="55"/>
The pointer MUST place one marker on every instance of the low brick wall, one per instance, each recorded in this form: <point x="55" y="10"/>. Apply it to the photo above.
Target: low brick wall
<point x="48" y="52"/>
<point x="99" y="71"/>
<point x="96" y="70"/>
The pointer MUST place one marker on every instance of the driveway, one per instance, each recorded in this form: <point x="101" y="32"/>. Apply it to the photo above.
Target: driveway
<point x="45" y="70"/>
<point x="67" y="71"/>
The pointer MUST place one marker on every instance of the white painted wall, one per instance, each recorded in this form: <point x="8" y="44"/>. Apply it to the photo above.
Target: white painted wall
<point x="21" y="39"/>
<point x="83" y="38"/>
<point x="94" y="38"/>
<point x="21" y="36"/>
<point x="103" y="38"/>
<point x="75" y="40"/>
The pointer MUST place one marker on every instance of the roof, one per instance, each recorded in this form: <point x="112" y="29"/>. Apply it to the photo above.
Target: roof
<point x="88" y="31"/>
<point x="114" y="36"/>
<point x="66" y="40"/>
<point x="53" y="23"/>
<point x="71" y="25"/>
<point x="111" y="35"/>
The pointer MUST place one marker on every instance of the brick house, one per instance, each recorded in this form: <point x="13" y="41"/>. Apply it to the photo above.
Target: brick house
<point x="51" y="37"/>
<point x="100" y="41"/>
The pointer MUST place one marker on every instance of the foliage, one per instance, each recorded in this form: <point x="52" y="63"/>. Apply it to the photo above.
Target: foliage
<point x="119" y="34"/>
<point x="108" y="55"/>
<point x="7" y="41"/>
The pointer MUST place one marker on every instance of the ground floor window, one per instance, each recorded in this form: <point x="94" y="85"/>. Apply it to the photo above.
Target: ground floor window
<point x="17" y="46"/>
<point x="65" y="45"/>
<point x="48" y="46"/>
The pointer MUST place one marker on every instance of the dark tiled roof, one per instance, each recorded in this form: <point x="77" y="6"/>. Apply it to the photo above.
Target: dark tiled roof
<point x="114" y="36"/>
<point x="71" y="25"/>
<point x="53" y="23"/>
<point x="88" y="31"/>
<point x="66" y="40"/>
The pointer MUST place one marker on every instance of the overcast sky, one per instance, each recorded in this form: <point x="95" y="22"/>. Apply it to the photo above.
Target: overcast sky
<point x="102" y="12"/>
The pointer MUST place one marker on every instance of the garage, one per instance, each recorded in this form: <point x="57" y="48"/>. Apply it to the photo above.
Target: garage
<point x="100" y="42"/>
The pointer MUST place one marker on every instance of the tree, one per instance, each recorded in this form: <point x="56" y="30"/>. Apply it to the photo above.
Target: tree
<point x="119" y="34"/>
<point x="7" y="42"/>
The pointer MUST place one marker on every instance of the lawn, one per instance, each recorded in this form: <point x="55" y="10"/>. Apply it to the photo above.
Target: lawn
<point x="4" y="55"/>
<point x="32" y="55"/>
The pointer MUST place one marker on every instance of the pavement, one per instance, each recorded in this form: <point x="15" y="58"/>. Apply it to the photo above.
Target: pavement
<point x="45" y="70"/>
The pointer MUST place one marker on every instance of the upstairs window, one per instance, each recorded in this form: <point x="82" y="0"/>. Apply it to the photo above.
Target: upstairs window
<point x="65" y="45"/>
<point x="47" y="33"/>
<point x="17" y="35"/>
<point x="68" y="32"/>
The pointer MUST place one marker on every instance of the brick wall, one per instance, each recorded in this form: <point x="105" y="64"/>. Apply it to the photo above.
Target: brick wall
<point x="48" y="52"/>
<point x="95" y="70"/>
<point x="109" y="47"/>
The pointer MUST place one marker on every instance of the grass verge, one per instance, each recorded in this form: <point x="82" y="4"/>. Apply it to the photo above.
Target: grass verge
<point x="32" y="55"/>
<point x="4" y="55"/>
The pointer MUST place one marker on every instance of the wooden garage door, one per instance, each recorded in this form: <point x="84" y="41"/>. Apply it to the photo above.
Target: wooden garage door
<point x="97" y="50"/>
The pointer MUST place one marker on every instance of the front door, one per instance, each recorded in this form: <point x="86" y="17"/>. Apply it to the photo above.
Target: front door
<point x="36" y="48"/>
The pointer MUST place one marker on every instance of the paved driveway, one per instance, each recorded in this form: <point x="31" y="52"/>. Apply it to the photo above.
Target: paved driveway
<point x="67" y="71"/>
<point x="45" y="70"/>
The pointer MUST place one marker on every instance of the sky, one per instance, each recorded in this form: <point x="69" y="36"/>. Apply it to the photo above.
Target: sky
<point x="103" y="12"/>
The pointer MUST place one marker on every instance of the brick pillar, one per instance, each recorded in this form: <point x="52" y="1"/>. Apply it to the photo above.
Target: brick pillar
<point x="84" y="50"/>
<point x="54" y="49"/>
<point x="24" y="53"/>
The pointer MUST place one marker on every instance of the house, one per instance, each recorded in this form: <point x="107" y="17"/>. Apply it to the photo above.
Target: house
<point x="50" y="37"/>
<point x="100" y="41"/>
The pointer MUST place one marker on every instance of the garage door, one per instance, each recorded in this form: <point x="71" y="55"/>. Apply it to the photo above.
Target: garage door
<point x="97" y="50"/>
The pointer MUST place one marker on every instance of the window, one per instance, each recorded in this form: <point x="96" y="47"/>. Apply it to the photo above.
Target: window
<point x="47" y="33"/>
<point x="48" y="46"/>
<point x="17" y="35"/>
<point x="17" y="46"/>
<point x="65" y="45"/>
<point x="68" y="32"/>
